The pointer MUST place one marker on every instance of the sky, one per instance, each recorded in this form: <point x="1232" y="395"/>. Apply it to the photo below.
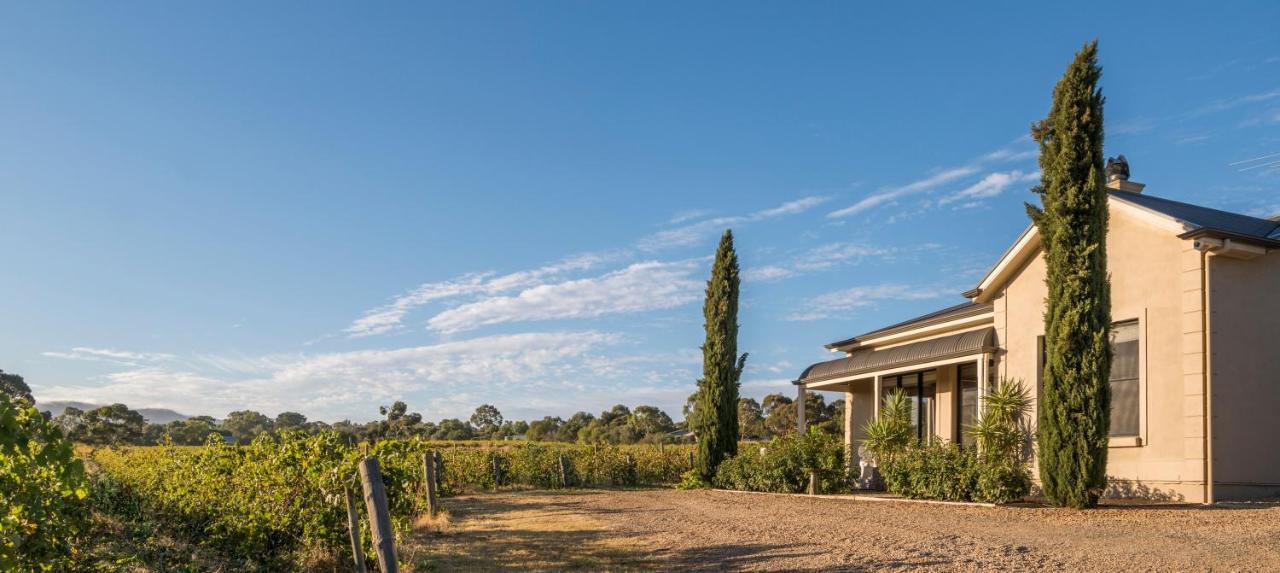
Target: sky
<point x="324" y="208"/>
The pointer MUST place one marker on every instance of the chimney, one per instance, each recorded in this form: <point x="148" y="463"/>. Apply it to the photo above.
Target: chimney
<point x="1118" y="176"/>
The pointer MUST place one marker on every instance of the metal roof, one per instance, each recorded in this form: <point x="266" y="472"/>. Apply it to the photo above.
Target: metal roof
<point x="1203" y="217"/>
<point x="951" y="312"/>
<point x="866" y="361"/>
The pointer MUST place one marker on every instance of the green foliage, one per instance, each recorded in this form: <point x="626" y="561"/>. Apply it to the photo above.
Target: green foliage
<point x="42" y="488"/>
<point x="245" y="425"/>
<point x="487" y="419"/>
<point x="750" y="419"/>
<point x="110" y="425"/>
<point x="1003" y="436"/>
<point x="692" y="479"/>
<point x="1075" y="404"/>
<point x="891" y="433"/>
<point x="994" y="472"/>
<point x="934" y="471"/>
<point x="13" y="386"/>
<point x="785" y="464"/>
<point x="717" y="419"/>
<point x="271" y="502"/>
<point x="278" y="502"/>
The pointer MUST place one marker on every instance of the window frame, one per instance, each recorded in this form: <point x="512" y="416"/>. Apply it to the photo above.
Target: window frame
<point x="1112" y="441"/>
<point x="1140" y="325"/>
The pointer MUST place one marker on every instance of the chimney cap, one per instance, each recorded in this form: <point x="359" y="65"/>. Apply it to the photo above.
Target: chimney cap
<point x="1117" y="168"/>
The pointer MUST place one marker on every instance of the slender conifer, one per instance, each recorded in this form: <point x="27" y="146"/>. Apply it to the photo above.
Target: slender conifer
<point x="1076" y="400"/>
<point x="717" y="419"/>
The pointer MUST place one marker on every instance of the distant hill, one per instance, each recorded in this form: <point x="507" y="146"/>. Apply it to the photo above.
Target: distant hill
<point x="151" y="415"/>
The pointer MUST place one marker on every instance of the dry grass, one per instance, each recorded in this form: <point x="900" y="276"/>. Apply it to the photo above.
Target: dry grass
<point x="716" y="531"/>
<point x="527" y="531"/>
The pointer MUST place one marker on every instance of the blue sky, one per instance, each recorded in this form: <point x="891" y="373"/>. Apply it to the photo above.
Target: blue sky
<point x="324" y="208"/>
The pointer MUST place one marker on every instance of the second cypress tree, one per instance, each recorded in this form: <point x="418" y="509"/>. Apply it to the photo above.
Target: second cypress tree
<point x="717" y="419"/>
<point x="1076" y="400"/>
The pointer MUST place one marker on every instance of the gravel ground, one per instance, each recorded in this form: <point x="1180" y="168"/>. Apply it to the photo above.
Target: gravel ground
<point x="716" y="531"/>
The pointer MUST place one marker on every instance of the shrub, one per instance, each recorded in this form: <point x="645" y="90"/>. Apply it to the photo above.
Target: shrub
<point x="994" y="472"/>
<point x="935" y="471"/>
<point x="42" y="491"/>
<point x="1003" y="435"/>
<point x="890" y="434"/>
<point x="785" y="464"/>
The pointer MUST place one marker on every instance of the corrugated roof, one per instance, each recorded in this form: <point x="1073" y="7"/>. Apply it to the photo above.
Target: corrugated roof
<point x="865" y="361"/>
<point x="1203" y="216"/>
<point x="959" y="310"/>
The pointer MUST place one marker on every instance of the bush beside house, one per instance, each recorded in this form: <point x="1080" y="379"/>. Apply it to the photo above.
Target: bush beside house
<point x="784" y="465"/>
<point x="993" y="472"/>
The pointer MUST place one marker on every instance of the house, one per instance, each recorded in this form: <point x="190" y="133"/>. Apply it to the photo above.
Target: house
<point x="1195" y="380"/>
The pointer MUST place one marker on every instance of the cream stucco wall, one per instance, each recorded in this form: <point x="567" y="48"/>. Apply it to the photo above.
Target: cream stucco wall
<point x="1244" y="349"/>
<point x="1144" y="260"/>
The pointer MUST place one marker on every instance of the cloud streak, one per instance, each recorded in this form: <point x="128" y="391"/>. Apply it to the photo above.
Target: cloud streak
<point x="330" y="383"/>
<point x="390" y="317"/>
<point x="639" y="287"/>
<point x="89" y="354"/>
<point x="841" y="302"/>
<point x="1015" y="151"/>
<point x="990" y="186"/>
<point x="700" y="231"/>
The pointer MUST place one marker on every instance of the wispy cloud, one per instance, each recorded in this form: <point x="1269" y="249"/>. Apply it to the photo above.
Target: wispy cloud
<point x="889" y="194"/>
<point x="328" y="384"/>
<point x="108" y="355"/>
<point x="830" y="256"/>
<point x="688" y="215"/>
<point x="990" y="186"/>
<point x="1020" y="149"/>
<point x="766" y="273"/>
<point x="641" y="286"/>
<point x="700" y="231"/>
<point x="391" y="316"/>
<point x="839" y="303"/>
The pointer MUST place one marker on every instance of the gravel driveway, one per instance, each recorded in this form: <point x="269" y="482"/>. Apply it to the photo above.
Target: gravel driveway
<point x="716" y="531"/>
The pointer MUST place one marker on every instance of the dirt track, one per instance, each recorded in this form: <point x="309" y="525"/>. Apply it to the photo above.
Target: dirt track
<point x="715" y="531"/>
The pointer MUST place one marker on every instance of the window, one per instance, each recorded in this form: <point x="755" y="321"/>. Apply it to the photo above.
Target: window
<point x="1124" y="379"/>
<point x="967" y="405"/>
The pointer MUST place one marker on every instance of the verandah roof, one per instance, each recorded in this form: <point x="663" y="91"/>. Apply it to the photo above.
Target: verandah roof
<point x="869" y="360"/>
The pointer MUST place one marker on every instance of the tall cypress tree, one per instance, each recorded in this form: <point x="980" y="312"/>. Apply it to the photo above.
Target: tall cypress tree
<point x="717" y="419"/>
<point x="1076" y="403"/>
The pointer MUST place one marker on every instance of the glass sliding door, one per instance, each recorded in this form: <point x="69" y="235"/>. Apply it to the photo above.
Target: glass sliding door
<point x="921" y="388"/>
<point x="967" y="401"/>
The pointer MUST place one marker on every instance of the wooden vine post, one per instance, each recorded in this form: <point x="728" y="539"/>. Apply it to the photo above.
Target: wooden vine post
<point x="564" y="471"/>
<point x="353" y="529"/>
<point x="497" y="471"/>
<point x="429" y="473"/>
<point x="375" y="500"/>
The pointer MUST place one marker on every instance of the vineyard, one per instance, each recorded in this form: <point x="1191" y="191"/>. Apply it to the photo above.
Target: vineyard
<point x="279" y="503"/>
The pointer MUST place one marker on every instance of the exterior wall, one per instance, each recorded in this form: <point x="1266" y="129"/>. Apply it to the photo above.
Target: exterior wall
<point x="1245" y="364"/>
<point x="1144" y="260"/>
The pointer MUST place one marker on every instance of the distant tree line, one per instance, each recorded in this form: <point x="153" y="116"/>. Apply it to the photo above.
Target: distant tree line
<point x="775" y="415"/>
<point x="118" y="424"/>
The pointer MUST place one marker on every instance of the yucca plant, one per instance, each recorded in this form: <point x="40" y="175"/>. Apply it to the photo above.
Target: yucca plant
<point x="891" y="433"/>
<point x="1002" y="433"/>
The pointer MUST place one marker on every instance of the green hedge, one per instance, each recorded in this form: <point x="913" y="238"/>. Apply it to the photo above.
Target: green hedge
<point x="783" y="466"/>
